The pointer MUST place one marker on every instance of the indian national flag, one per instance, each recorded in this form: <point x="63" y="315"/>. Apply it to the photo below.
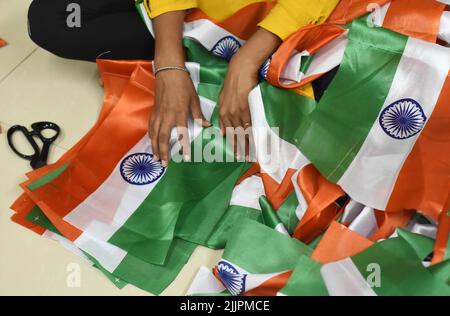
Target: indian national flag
<point x="96" y="212"/>
<point x="389" y="267"/>
<point x="423" y="19"/>
<point x="356" y="267"/>
<point x="152" y="278"/>
<point x="241" y="270"/>
<point x="321" y="48"/>
<point x="375" y="133"/>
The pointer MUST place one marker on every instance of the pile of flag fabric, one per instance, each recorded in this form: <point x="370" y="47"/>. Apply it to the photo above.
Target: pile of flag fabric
<point x="354" y="201"/>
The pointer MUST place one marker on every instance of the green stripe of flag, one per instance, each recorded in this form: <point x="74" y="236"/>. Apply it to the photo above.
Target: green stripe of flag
<point x="270" y="217"/>
<point x="294" y="113"/>
<point x="306" y="279"/>
<point x="349" y="107"/>
<point x="149" y="277"/>
<point x="232" y="217"/>
<point x="401" y="270"/>
<point x="441" y="271"/>
<point x="287" y="214"/>
<point x="47" y="178"/>
<point x="250" y="241"/>
<point x="192" y="197"/>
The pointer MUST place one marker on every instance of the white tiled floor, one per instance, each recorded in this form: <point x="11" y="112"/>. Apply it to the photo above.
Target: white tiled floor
<point x="34" y="86"/>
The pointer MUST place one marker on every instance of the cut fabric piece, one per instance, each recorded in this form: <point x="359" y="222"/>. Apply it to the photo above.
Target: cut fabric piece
<point x="416" y="18"/>
<point x="305" y="280"/>
<point x="243" y="204"/>
<point x="205" y="283"/>
<point x="338" y="243"/>
<point x="286" y="168"/>
<point x="389" y="267"/>
<point x="117" y="221"/>
<point x="345" y="172"/>
<point x="390" y="124"/>
<point x="270" y="217"/>
<point x="151" y="278"/>
<point x="241" y="270"/>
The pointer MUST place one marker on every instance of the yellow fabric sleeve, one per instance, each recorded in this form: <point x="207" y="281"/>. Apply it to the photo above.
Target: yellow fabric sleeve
<point x="290" y="15"/>
<point x="286" y="17"/>
<point x="158" y="7"/>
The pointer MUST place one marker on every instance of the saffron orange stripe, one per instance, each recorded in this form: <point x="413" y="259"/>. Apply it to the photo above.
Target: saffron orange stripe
<point x="320" y="195"/>
<point x="115" y="76"/>
<point x="416" y="18"/>
<point x="270" y="287"/>
<point x="22" y="207"/>
<point x="77" y="182"/>
<point x="392" y="221"/>
<point x="67" y="230"/>
<point x="277" y="193"/>
<point x="243" y="24"/>
<point x="424" y="179"/>
<point x="339" y="242"/>
<point x="252" y="171"/>
<point x="347" y="10"/>
<point x="310" y="38"/>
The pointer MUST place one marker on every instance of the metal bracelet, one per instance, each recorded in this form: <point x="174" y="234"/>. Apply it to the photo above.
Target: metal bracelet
<point x="171" y="68"/>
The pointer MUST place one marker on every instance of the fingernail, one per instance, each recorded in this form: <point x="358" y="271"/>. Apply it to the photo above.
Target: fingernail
<point x="247" y="158"/>
<point x="187" y="158"/>
<point x="164" y="163"/>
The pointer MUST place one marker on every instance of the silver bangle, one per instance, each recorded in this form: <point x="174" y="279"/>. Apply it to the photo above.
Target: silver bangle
<point x="171" y="68"/>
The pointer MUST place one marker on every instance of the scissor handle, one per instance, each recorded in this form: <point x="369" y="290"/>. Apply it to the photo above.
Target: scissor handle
<point x="28" y="135"/>
<point x="41" y="159"/>
<point x="38" y="127"/>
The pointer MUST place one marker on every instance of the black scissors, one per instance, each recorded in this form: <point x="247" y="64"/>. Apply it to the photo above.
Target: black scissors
<point x="39" y="158"/>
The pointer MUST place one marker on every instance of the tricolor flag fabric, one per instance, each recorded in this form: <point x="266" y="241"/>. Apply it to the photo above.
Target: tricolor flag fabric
<point x="241" y="269"/>
<point x="321" y="48"/>
<point x="389" y="267"/>
<point x="363" y="159"/>
<point x="359" y="268"/>
<point x="373" y="130"/>
<point x="401" y="16"/>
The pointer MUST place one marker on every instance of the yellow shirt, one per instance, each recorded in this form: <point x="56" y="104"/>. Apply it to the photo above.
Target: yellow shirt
<point x="286" y="17"/>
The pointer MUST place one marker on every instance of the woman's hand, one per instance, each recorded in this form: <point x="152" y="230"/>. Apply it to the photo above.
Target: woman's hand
<point x="175" y="98"/>
<point x="241" y="78"/>
<point x="234" y="111"/>
<point x="175" y="95"/>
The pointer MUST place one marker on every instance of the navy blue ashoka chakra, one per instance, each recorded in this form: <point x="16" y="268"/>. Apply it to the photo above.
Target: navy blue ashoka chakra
<point x="231" y="278"/>
<point x="402" y="119"/>
<point x="141" y="169"/>
<point x="226" y="47"/>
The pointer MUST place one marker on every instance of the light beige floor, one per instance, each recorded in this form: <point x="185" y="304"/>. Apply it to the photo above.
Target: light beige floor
<point x="34" y="86"/>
